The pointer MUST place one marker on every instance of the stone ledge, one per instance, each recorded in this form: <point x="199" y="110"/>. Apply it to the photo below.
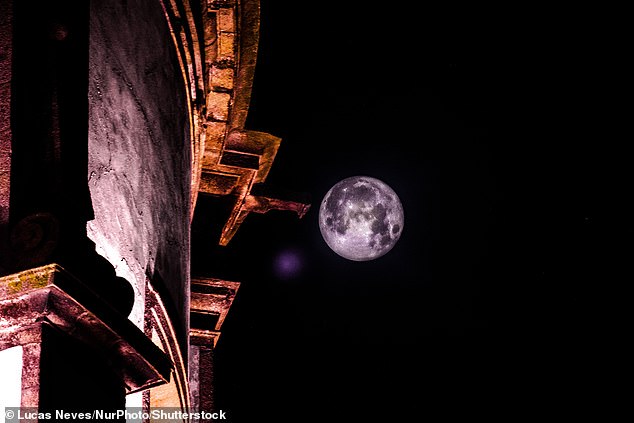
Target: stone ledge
<point x="204" y="338"/>
<point x="51" y="295"/>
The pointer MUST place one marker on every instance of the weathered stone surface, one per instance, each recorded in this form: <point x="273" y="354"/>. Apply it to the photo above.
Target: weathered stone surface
<point x="213" y="295"/>
<point x="226" y="46"/>
<point x="211" y="37"/>
<point x="51" y="296"/>
<point x="221" y="78"/>
<point x="31" y="354"/>
<point x="218" y="106"/>
<point x="139" y="150"/>
<point x="225" y="19"/>
<point x="218" y="184"/>
<point x="214" y="137"/>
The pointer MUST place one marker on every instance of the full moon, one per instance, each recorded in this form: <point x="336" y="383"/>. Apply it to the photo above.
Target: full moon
<point x="361" y="218"/>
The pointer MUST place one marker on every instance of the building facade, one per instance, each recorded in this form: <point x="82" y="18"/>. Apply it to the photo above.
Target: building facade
<point x="115" y="117"/>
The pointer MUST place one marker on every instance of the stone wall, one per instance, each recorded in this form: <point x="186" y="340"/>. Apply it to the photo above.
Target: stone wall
<point x="139" y="152"/>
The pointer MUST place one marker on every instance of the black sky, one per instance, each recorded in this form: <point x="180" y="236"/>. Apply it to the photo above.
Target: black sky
<point x="488" y="124"/>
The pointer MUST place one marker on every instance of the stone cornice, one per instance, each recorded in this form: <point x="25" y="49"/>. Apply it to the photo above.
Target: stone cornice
<point x="51" y="295"/>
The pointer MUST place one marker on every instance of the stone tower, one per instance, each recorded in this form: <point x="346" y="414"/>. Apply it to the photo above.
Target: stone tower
<point x="115" y="116"/>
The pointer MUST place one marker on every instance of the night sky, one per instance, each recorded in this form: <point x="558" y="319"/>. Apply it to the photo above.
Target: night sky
<point x="490" y="127"/>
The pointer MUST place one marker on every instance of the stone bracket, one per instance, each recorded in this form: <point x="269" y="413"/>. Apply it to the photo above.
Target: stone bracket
<point x="51" y="294"/>
<point x="211" y="299"/>
<point x="244" y="163"/>
<point x="257" y="204"/>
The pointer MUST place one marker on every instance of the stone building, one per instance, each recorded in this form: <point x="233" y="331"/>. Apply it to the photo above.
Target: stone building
<point x="116" y="116"/>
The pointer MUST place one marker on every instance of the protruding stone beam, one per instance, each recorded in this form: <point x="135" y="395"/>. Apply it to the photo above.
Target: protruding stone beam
<point x="211" y="299"/>
<point x="258" y="204"/>
<point x="245" y="161"/>
<point x="50" y="296"/>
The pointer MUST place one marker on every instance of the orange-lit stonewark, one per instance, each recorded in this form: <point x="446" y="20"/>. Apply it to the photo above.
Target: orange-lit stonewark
<point x="211" y="300"/>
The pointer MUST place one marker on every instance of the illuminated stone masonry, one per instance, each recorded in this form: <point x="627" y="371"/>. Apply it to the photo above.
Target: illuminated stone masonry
<point x="96" y="300"/>
<point x="211" y="299"/>
<point x="49" y="299"/>
<point x="229" y="160"/>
